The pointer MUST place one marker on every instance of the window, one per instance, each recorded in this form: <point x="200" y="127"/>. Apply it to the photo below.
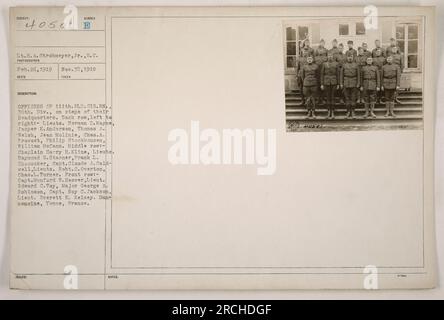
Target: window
<point x="407" y="38"/>
<point x="290" y="42"/>
<point x="360" y="28"/>
<point x="294" y="40"/>
<point x="343" y="29"/>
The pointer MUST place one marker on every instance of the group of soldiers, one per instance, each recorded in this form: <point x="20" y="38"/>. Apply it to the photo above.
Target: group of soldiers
<point x="354" y="75"/>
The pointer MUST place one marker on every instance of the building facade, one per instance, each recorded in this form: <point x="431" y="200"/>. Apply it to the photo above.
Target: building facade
<point x="408" y="32"/>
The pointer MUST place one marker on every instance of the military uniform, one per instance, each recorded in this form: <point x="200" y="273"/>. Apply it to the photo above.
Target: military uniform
<point x="370" y="83"/>
<point x="379" y="62"/>
<point x="391" y="77"/>
<point x="340" y="58"/>
<point x="389" y="52"/>
<point x="361" y="60"/>
<point x="350" y="80"/>
<point x="397" y="59"/>
<point x="310" y="74"/>
<point x="334" y="51"/>
<point x="321" y="51"/>
<point x="307" y="51"/>
<point x="330" y="80"/>
<point x="302" y="61"/>
<point x="319" y="60"/>
<point x="352" y="51"/>
<point x="367" y="54"/>
<point x="376" y="49"/>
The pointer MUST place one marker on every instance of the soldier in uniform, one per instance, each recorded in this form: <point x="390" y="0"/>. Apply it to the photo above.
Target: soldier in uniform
<point x="310" y="76"/>
<point x="390" y="49"/>
<point x="349" y="80"/>
<point x="397" y="59"/>
<point x="334" y="48"/>
<point x="378" y="61"/>
<point x="320" y="58"/>
<point x="361" y="60"/>
<point x="350" y="49"/>
<point x="330" y="82"/>
<point x="370" y="84"/>
<point x="391" y="77"/>
<point x="366" y="52"/>
<point x="378" y="46"/>
<point x="306" y="49"/>
<point x="302" y="60"/>
<point x="340" y="58"/>
<point x="321" y="50"/>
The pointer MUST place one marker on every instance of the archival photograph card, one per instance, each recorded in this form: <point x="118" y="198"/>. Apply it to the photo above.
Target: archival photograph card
<point x="222" y="148"/>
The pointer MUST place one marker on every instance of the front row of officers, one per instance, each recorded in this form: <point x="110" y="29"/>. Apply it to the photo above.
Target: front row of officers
<point x="352" y="79"/>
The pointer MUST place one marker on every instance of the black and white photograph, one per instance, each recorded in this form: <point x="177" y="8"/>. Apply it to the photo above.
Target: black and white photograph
<point x="342" y="74"/>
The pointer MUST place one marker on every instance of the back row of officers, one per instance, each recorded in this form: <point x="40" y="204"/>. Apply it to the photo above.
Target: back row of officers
<point x="355" y="74"/>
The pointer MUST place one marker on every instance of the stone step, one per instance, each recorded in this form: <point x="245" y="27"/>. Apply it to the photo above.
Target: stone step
<point x="403" y="104"/>
<point x="401" y="92"/>
<point x="342" y="108"/>
<point x="359" y="117"/>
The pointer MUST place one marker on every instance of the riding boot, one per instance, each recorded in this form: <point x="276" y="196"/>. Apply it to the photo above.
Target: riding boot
<point x="392" y="109"/>
<point x="347" y="111"/>
<point x="366" y="105"/>
<point x="372" y="110"/>
<point x="387" y="107"/>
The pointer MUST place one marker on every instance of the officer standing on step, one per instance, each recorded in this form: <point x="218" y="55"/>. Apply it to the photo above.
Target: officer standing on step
<point x="393" y="44"/>
<point x="330" y="82"/>
<point x="302" y="61"/>
<point x="378" y="61"/>
<point x="397" y="59"/>
<point x="349" y="80"/>
<point x="340" y="58"/>
<point x="350" y="49"/>
<point x="310" y="74"/>
<point x="370" y="84"/>
<point x="319" y="59"/>
<point x="361" y="60"/>
<point x="378" y="47"/>
<point x="391" y="77"/>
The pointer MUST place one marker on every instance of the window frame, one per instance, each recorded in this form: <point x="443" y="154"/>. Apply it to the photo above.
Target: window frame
<point x="405" y="50"/>
<point x="291" y="70"/>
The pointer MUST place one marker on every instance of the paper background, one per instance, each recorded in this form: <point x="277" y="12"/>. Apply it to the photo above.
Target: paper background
<point x="5" y="141"/>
